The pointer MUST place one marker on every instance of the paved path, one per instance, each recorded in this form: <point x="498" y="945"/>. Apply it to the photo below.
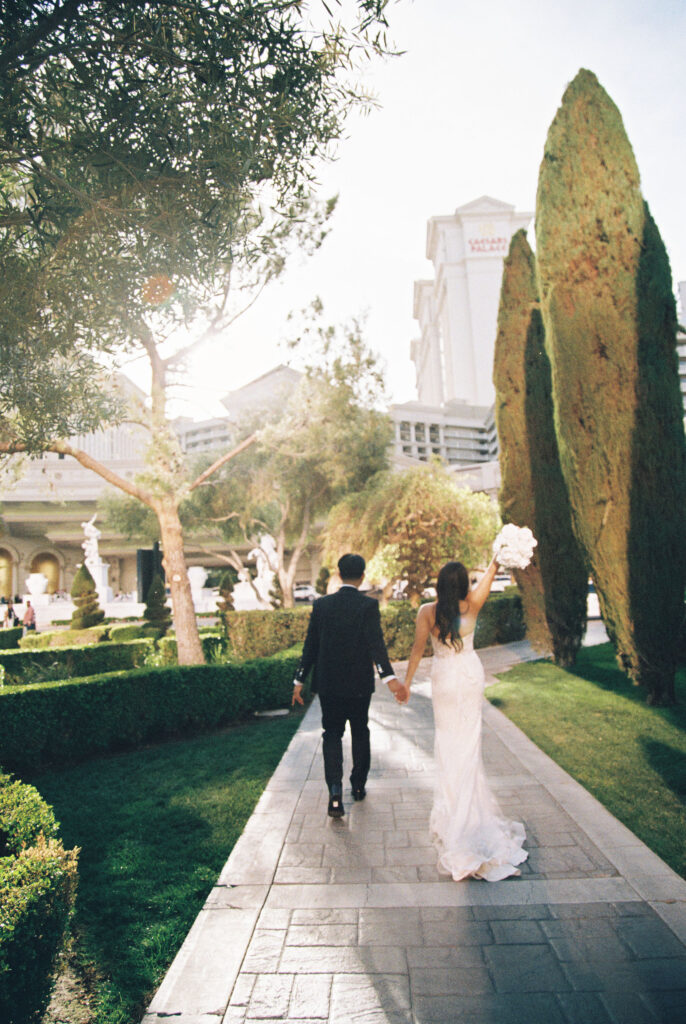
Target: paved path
<point x="348" y="922"/>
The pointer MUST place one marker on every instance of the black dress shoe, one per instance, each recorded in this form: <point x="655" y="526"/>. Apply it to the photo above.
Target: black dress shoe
<point x="336" y="809"/>
<point x="359" y="793"/>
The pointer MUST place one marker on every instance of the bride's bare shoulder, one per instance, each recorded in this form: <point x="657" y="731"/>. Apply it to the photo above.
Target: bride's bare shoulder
<point x="428" y="611"/>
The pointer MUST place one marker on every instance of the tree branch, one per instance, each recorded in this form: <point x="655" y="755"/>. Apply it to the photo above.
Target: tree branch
<point x="88" y="462"/>
<point x="220" y="462"/>
<point x="61" y="16"/>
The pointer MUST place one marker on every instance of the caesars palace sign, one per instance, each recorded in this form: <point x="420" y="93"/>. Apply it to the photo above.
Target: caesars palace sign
<point x="486" y="241"/>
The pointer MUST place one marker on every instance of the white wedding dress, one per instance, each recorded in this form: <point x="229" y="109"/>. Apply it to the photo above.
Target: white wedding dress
<point x="472" y="836"/>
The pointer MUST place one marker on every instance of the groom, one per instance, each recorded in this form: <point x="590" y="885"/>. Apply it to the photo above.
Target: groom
<point x="344" y="643"/>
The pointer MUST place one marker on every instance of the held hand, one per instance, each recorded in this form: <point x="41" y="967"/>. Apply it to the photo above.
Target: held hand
<point x="402" y="694"/>
<point x="297" y="695"/>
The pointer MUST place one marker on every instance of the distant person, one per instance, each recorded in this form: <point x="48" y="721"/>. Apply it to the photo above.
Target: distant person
<point x="29" y="619"/>
<point x="344" y="644"/>
<point x="10" y="617"/>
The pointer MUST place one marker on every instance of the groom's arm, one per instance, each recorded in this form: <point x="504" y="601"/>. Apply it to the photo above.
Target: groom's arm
<point x="309" y="656"/>
<point x="375" y="642"/>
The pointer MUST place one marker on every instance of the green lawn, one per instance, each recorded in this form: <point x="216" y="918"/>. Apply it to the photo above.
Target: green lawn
<point x="597" y="726"/>
<point x="155" y="827"/>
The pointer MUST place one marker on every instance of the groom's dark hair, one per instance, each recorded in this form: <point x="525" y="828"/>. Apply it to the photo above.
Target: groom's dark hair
<point x="351" y="567"/>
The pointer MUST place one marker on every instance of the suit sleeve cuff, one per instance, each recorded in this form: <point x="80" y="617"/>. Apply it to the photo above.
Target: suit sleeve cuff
<point x="384" y="679"/>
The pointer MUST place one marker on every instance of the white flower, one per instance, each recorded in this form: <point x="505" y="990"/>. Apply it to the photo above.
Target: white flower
<point x="514" y="546"/>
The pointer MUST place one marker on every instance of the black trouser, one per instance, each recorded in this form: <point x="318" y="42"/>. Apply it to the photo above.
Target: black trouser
<point x="336" y="711"/>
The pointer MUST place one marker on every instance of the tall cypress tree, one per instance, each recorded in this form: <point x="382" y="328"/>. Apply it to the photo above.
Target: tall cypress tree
<point x="610" y="329"/>
<point x="533" y="491"/>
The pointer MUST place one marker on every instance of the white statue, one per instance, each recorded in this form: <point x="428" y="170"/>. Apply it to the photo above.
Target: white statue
<point x="265" y="557"/>
<point x="97" y="568"/>
<point x="90" y="544"/>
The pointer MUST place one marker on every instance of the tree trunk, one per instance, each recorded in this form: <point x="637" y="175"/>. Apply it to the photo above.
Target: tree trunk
<point x="189" y="647"/>
<point x="287" y="575"/>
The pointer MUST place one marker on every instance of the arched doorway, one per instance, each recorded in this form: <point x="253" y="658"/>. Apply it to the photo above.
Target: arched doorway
<point x="5" y="574"/>
<point x="50" y="567"/>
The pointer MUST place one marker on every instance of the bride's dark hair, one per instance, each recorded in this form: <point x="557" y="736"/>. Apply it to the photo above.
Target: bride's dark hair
<point x="452" y="586"/>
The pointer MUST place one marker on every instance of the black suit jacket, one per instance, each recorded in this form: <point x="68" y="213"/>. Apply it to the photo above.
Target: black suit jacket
<point x="344" y="644"/>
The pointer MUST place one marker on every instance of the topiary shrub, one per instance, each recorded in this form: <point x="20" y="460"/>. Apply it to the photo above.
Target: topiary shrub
<point x="85" y="596"/>
<point x="157" y="615"/>
<point x="37" y="891"/>
<point x="228" y="581"/>
<point x="322" y="580"/>
<point x="9" y="638"/>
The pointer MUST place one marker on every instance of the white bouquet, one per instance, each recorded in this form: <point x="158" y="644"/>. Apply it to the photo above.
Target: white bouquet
<point x="514" y="546"/>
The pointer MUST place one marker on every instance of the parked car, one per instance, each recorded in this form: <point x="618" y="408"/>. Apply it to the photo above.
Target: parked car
<point x="304" y="592"/>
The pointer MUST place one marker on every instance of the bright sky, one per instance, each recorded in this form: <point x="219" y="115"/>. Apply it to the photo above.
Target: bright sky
<point x="464" y="113"/>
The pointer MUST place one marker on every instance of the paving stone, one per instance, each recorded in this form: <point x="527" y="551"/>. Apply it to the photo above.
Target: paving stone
<point x="322" y="935"/>
<point x="302" y="876"/>
<point x="344" y="959"/>
<point x="301" y="855"/>
<point x="264" y="951"/>
<point x="649" y="937"/>
<point x="404" y="873"/>
<point x="628" y="1008"/>
<point x="583" y="1008"/>
<point x="440" y="981"/>
<point x="632" y="976"/>
<point x="585" y="910"/>
<point x="457" y="933"/>
<point x="487" y="1009"/>
<point x="396" y="837"/>
<point x="345" y="857"/>
<point x="445" y="956"/>
<point x="525" y="968"/>
<point x="270" y="996"/>
<point x="242" y="990"/>
<point x="233" y="1015"/>
<point x="528" y="912"/>
<point x="270" y="918"/>
<point x="517" y="931"/>
<point x="632" y="910"/>
<point x="389" y="992"/>
<point x="415" y="856"/>
<point x="452" y="915"/>
<point x="359" y="875"/>
<point x="310" y="915"/>
<point x="561" y="860"/>
<point x="594" y="944"/>
<point x="310" y="996"/>
<point x="668" y="1007"/>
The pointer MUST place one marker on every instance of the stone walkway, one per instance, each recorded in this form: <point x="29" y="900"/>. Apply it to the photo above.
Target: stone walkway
<point x="348" y="922"/>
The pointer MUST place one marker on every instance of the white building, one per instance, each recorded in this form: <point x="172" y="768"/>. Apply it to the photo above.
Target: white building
<point x="457" y="311"/>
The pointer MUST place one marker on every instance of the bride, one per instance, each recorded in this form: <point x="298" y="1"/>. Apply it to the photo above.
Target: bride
<point x="468" y="828"/>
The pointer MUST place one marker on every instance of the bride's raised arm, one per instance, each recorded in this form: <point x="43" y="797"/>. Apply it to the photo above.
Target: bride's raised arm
<point x="477" y="597"/>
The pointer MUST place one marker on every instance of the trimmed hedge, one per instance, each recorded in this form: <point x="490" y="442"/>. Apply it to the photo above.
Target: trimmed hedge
<point x="9" y="638"/>
<point x="63" y="722"/>
<point x="37" y="891"/>
<point x="39" y="666"/>
<point x="131" y="631"/>
<point x="213" y="645"/>
<point x="64" y="638"/>
<point x="260" y="633"/>
<point x="501" y="620"/>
